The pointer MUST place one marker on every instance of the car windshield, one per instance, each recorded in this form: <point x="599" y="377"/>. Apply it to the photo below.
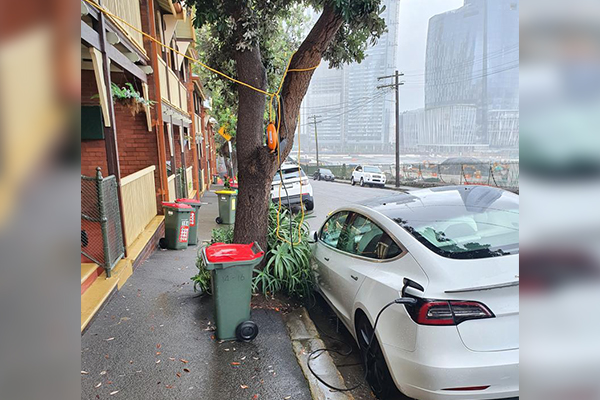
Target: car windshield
<point x="326" y="171"/>
<point x="461" y="232"/>
<point x="288" y="173"/>
<point x="373" y="169"/>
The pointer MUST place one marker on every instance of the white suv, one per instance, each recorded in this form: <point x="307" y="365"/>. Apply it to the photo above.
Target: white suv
<point x="367" y="175"/>
<point x="291" y="192"/>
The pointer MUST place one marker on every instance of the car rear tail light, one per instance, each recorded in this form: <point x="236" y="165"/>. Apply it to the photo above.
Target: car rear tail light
<point x="447" y="312"/>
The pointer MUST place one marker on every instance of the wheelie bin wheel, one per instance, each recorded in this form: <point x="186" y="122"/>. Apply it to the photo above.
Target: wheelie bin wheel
<point x="246" y="331"/>
<point x="219" y="220"/>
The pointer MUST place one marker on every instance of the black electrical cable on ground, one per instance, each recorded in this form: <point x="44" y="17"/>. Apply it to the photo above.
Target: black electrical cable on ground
<point x="313" y="355"/>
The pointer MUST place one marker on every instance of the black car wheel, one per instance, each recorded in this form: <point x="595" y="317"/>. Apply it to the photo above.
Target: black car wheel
<point x="310" y="205"/>
<point x="378" y="374"/>
<point x="362" y="182"/>
<point x="352" y="181"/>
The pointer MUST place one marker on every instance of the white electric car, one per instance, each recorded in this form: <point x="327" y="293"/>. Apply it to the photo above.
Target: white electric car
<point x="367" y="175"/>
<point x="454" y="250"/>
<point x="295" y="187"/>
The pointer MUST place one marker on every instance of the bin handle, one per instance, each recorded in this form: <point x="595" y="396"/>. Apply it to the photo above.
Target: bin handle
<point x="256" y="246"/>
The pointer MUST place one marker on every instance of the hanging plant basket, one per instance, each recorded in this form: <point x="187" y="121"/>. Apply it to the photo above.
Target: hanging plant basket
<point x="130" y="97"/>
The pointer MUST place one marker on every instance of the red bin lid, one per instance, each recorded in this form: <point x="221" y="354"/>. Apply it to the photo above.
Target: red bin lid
<point x="222" y="252"/>
<point x="189" y="201"/>
<point x="176" y="205"/>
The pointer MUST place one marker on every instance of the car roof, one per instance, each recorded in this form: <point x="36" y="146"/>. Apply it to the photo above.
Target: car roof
<point x="288" y="165"/>
<point x="469" y="198"/>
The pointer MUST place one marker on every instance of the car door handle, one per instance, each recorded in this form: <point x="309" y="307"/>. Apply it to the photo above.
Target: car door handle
<point x="354" y="277"/>
<point x="326" y="259"/>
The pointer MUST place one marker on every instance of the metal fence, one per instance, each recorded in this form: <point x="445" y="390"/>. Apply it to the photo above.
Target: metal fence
<point x="101" y="234"/>
<point x="495" y="173"/>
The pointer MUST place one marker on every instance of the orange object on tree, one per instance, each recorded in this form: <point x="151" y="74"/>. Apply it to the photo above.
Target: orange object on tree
<point x="272" y="137"/>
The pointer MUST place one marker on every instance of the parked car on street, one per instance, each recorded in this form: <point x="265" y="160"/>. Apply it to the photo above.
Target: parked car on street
<point x="323" y="174"/>
<point x="367" y="175"/>
<point x="295" y="189"/>
<point x="455" y="251"/>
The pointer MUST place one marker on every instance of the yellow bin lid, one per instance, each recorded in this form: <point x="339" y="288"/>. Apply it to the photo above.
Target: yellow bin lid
<point x="226" y="192"/>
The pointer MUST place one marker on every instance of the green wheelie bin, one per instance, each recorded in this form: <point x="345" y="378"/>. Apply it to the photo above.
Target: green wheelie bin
<point x="195" y="204"/>
<point x="227" y="202"/>
<point x="231" y="266"/>
<point x="177" y="225"/>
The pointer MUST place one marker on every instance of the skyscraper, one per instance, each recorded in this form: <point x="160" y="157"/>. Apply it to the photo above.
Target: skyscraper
<point x="472" y="60"/>
<point x="355" y="116"/>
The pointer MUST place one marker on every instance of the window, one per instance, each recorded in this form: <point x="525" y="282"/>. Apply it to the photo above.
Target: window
<point x="359" y="169"/>
<point x="330" y="233"/>
<point x="363" y="237"/>
<point x="289" y="173"/>
<point x="373" y="170"/>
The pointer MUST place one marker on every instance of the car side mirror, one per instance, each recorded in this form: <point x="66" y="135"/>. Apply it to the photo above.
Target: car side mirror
<point x="409" y="283"/>
<point x="314" y="237"/>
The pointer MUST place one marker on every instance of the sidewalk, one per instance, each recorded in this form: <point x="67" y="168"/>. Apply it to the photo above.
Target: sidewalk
<point x="153" y="340"/>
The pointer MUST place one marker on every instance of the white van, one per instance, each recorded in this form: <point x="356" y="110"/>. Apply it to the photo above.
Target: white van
<point x="293" y="176"/>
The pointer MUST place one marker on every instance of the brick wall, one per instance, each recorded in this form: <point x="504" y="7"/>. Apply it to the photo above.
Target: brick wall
<point x="93" y="152"/>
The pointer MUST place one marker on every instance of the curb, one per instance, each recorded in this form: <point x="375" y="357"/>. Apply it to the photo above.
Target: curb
<point x="404" y="189"/>
<point x="305" y="339"/>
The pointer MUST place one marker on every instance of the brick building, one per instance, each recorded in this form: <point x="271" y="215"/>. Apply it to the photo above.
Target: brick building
<point x="149" y="138"/>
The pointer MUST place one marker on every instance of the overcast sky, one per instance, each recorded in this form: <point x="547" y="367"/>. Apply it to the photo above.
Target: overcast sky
<point x="412" y="43"/>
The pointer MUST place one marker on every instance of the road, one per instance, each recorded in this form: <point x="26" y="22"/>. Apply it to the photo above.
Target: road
<point x="331" y="195"/>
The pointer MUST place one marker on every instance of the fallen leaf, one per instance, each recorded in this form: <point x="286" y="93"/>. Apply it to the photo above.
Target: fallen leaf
<point x="244" y="386"/>
<point x="103" y="373"/>
<point x="115" y="392"/>
<point x="287" y="397"/>
<point x="178" y="375"/>
<point x="109" y="382"/>
<point x="169" y="386"/>
<point x="255" y="358"/>
<point x="158" y="353"/>
<point x="158" y="346"/>
<point x="157" y="361"/>
<point x="186" y="370"/>
<point x="84" y="372"/>
<point x="98" y="384"/>
<point x="243" y="358"/>
<point x="226" y="349"/>
<point x="235" y="363"/>
<point x="183" y="361"/>
<point x="106" y="356"/>
<point x="255" y="396"/>
<point x="109" y="339"/>
<point x="172" y="358"/>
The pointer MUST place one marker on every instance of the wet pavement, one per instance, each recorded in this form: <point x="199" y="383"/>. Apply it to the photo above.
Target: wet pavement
<point x="154" y="340"/>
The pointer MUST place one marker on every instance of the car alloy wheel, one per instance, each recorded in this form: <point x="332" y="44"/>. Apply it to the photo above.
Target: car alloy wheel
<point x="378" y="374"/>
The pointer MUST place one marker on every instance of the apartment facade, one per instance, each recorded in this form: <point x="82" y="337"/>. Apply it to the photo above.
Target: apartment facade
<point x="146" y="134"/>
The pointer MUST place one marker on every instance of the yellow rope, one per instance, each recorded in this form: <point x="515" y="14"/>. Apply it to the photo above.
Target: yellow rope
<point x="271" y="95"/>
<point x="105" y="11"/>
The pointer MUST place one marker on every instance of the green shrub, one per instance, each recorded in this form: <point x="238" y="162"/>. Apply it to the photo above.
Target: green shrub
<point x="287" y="265"/>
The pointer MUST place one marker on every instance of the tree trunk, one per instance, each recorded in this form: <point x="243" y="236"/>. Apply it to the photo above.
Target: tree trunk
<point x="256" y="165"/>
<point x="254" y="176"/>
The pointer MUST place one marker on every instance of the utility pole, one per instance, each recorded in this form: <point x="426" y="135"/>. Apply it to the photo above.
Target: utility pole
<point x="395" y="85"/>
<point x="314" y="117"/>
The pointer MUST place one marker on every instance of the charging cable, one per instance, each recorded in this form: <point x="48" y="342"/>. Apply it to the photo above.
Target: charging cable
<point x="316" y="353"/>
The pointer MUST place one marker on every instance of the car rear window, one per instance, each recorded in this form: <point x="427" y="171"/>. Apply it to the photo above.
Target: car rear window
<point x="373" y="169"/>
<point x="457" y="232"/>
<point x="288" y="173"/>
<point x="326" y="171"/>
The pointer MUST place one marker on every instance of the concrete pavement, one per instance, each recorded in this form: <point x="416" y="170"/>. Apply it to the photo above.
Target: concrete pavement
<point x="153" y="340"/>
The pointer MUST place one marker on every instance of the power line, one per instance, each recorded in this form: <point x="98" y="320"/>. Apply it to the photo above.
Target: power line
<point x="352" y="109"/>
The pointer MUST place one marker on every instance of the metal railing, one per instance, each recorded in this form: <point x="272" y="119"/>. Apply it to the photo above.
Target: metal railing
<point x="101" y="235"/>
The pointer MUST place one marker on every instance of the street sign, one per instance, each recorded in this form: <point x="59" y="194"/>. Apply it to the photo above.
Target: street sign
<point x="225" y="135"/>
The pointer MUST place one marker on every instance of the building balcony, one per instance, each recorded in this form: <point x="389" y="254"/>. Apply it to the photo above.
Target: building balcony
<point x="129" y="10"/>
<point x="172" y="90"/>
